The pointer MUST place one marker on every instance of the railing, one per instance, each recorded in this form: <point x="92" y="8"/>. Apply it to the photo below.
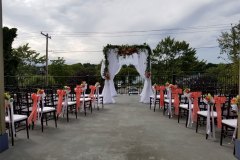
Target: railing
<point x="214" y="84"/>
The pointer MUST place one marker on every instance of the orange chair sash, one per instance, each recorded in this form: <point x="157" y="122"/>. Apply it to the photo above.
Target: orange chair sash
<point x="195" y="96"/>
<point x="176" y="93"/>
<point x="33" y="115"/>
<point x="161" y="89"/>
<point x="60" y="93"/>
<point x="93" y="89"/>
<point x="218" y="102"/>
<point x="78" y="91"/>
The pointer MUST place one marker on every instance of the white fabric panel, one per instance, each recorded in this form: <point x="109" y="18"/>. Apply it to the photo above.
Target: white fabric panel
<point x="142" y="64"/>
<point x="132" y="59"/>
<point x="114" y="67"/>
<point x="102" y="69"/>
<point x="141" y="68"/>
<point x="107" y="97"/>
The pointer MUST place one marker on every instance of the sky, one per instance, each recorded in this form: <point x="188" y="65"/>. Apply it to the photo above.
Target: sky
<point x="79" y="29"/>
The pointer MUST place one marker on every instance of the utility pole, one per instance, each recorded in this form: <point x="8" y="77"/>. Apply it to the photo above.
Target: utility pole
<point x="47" y="37"/>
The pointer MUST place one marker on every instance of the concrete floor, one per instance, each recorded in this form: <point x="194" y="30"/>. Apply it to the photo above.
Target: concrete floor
<point x="125" y="130"/>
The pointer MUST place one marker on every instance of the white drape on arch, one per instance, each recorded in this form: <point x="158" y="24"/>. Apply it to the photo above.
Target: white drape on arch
<point x="115" y="63"/>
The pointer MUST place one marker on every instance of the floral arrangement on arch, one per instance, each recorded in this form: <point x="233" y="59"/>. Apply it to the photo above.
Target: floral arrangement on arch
<point x="235" y="103"/>
<point x="127" y="51"/>
<point x="148" y="74"/>
<point x="107" y="75"/>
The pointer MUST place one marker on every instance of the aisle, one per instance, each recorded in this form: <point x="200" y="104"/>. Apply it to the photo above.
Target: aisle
<point x="125" y="130"/>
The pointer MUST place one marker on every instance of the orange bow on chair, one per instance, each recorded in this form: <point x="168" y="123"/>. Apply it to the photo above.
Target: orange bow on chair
<point x="195" y="96"/>
<point x="218" y="102"/>
<point x="93" y="88"/>
<point x="60" y="93"/>
<point x="176" y="92"/>
<point x="161" y="89"/>
<point x="78" y="91"/>
<point x="92" y="94"/>
<point x="33" y="115"/>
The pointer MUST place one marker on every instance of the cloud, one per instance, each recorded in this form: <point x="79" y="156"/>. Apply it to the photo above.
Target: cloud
<point x="65" y="21"/>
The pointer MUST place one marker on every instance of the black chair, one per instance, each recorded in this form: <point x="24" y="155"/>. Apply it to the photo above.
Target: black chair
<point x="14" y="122"/>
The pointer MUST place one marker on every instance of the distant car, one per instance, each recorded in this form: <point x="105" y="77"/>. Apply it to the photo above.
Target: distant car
<point x="133" y="91"/>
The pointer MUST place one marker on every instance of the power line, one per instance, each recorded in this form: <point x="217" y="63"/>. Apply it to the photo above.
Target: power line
<point x="190" y="28"/>
<point x="65" y="51"/>
<point x="79" y="51"/>
<point x="137" y="31"/>
<point x="207" y="47"/>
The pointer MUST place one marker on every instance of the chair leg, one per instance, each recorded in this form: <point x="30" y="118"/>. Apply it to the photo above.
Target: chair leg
<point x="186" y="119"/>
<point x="97" y="101"/>
<point x="10" y="128"/>
<point x="46" y="118"/>
<point x="154" y="106"/>
<point x="55" y="118"/>
<point x="91" y="106"/>
<point x="150" y="103"/>
<point x="179" y="114"/>
<point x="67" y="114"/>
<point x="102" y="104"/>
<point x="32" y="125"/>
<point x="85" y="110"/>
<point x="27" y="129"/>
<point x="164" y="109"/>
<point x="169" y="115"/>
<point x="221" y="138"/>
<point x="197" y="123"/>
<point x="76" y="111"/>
<point x="42" y="122"/>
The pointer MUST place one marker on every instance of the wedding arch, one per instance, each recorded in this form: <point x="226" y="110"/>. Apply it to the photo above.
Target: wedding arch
<point x="114" y="57"/>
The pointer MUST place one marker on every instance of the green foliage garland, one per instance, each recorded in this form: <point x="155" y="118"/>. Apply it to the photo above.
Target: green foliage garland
<point x="126" y="50"/>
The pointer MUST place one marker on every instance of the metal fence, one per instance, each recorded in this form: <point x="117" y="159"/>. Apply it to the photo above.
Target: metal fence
<point x="214" y="84"/>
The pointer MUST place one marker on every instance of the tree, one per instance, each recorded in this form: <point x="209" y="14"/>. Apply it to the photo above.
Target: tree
<point x="10" y="60"/>
<point x="229" y="43"/>
<point x="29" y="59"/>
<point x="85" y="72"/>
<point x="127" y="73"/>
<point x="177" y="57"/>
<point x="59" y="70"/>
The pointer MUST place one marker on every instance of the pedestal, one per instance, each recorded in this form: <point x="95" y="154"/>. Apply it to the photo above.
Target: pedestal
<point x="3" y="142"/>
